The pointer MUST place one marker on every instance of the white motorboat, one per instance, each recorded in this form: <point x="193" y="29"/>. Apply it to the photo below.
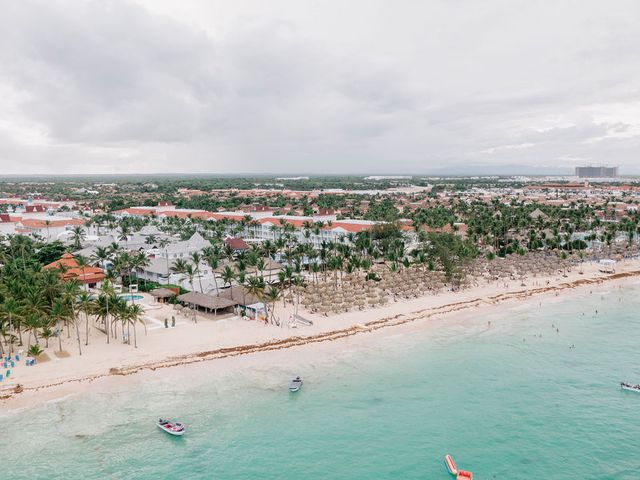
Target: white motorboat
<point x="171" y="427"/>
<point x="628" y="386"/>
<point x="295" y="384"/>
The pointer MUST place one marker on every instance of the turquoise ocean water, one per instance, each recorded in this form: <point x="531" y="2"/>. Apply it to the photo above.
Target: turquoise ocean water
<point x="512" y="400"/>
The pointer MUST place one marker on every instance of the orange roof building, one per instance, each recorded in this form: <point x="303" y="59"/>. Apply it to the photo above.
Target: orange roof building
<point x="70" y="270"/>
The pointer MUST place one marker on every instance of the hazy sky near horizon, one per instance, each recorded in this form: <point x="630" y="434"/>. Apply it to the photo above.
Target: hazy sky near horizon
<point x="130" y="86"/>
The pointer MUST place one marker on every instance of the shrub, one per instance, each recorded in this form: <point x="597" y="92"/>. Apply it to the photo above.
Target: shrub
<point x="35" y="350"/>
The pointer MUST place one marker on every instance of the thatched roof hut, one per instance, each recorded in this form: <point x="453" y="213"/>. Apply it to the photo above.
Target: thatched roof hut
<point x="209" y="303"/>
<point x="162" y="293"/>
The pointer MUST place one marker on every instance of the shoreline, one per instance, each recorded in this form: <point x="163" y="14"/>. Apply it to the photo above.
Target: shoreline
<point x="32" y="395"/>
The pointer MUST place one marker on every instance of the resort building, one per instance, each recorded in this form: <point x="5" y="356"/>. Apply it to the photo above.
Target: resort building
<point x="159" y="271"/>
<point x="259" y="224"/>
<point x="39" y="218"/>
<point x="237" y="244"/>
<point x="87" y="276"/>
<point x="48" y="227"/>
<point x="162" y="210"/>
<point x="184" y="248"/>
<point x="7" y="224"/>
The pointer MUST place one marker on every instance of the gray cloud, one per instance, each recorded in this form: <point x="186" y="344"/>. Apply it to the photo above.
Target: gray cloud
<point x="94" y="86"/>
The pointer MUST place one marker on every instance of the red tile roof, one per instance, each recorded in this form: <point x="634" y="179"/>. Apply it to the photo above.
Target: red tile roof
<point x="237" y="243"/>
<point x="226" y="216"/>
<point x="181" y="214"/>
<point x="351" y="227"/>
<point x="70" y="270"/>
<point x="137" y="210"/>
<point x="39" y="223"/>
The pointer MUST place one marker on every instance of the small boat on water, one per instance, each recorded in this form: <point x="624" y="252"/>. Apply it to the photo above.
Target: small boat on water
<point x="451" y="465"/>
<point x="628" y="386"/>
<point x="295" y="384"/>
<point x="172" y="428"/>
<point x="463" y="475"/>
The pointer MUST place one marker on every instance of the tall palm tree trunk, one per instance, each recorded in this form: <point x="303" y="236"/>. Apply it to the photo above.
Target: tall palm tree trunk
<point x="78" y="336"/>
<point x="59" y="337"/>
<point x="86" y="325"/>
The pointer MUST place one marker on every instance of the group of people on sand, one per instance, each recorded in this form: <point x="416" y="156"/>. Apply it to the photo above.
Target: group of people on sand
<point x="166" y="322"/>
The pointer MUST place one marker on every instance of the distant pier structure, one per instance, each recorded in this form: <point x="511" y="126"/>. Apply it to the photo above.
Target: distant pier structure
<point x="597" y="172"/>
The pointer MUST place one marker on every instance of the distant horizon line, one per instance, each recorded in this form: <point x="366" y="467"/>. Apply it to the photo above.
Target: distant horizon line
<point x="292" y="176"/>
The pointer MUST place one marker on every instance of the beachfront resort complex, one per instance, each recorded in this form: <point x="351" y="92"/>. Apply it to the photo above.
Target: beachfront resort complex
<point x="92" y="264"/>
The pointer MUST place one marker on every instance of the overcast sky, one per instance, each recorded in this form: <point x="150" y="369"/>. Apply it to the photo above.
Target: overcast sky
<point x="131" y="86"/>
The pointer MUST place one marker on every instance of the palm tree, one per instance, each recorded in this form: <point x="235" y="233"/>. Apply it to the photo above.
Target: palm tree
<point x="163" y="243"/>
<point x="78" y="235"/>
<point x="196" y="258"/>
<point x="255" y="286"/>
<point x="260" y="265"/>
<point x="151" y="239"/>
<point x="272" y="295"/>
<point x="134" y="316"/>
<point x="32" y="322"/>
<point x="101" y="256"/>
<point x="101" y="305"/>
<point x="179" y="266"/>
<point x="34" y="350"/>
<point x="138" y="261"/>
<point x="189" y="274"/>
<point x="47" y="224"/>
<point x="85" y="305"/>
<point x="228" y="276"/>
<point x="123" y="234"/>
<point x="71" y="292"/>
<point x="46" y="332"/>
<point x="11" y="310"/>
<point x="59" y="315"/>
<point x="83" y="263"/>
<point x="119" y="312"/>
<point x="211" y="257"/>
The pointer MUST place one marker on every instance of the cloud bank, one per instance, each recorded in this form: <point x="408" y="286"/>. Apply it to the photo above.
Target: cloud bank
<point x="317" y="87"/>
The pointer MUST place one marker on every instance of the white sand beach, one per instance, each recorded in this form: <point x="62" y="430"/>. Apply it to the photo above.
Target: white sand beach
<point x="210" y="339"/>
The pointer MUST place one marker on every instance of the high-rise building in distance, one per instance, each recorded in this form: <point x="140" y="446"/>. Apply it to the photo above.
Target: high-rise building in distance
<point x="596" y="172"/>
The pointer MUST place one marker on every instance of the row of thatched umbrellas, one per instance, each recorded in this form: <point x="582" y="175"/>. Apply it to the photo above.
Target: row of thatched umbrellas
<point x="355" y="292"/>
<point x="324" y="299"/>
<point x="616" y="251"/>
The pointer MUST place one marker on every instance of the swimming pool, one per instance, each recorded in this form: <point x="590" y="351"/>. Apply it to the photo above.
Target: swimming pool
<point x="130" y="297"/>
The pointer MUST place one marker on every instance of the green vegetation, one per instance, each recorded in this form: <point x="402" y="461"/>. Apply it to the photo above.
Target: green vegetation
<point x="36" y="305"/>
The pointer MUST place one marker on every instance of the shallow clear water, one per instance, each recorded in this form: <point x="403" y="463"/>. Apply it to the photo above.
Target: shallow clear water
<point x="511" y="400"/>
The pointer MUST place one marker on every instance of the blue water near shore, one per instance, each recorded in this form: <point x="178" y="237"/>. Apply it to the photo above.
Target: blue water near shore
<point x="512" y="400"/>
